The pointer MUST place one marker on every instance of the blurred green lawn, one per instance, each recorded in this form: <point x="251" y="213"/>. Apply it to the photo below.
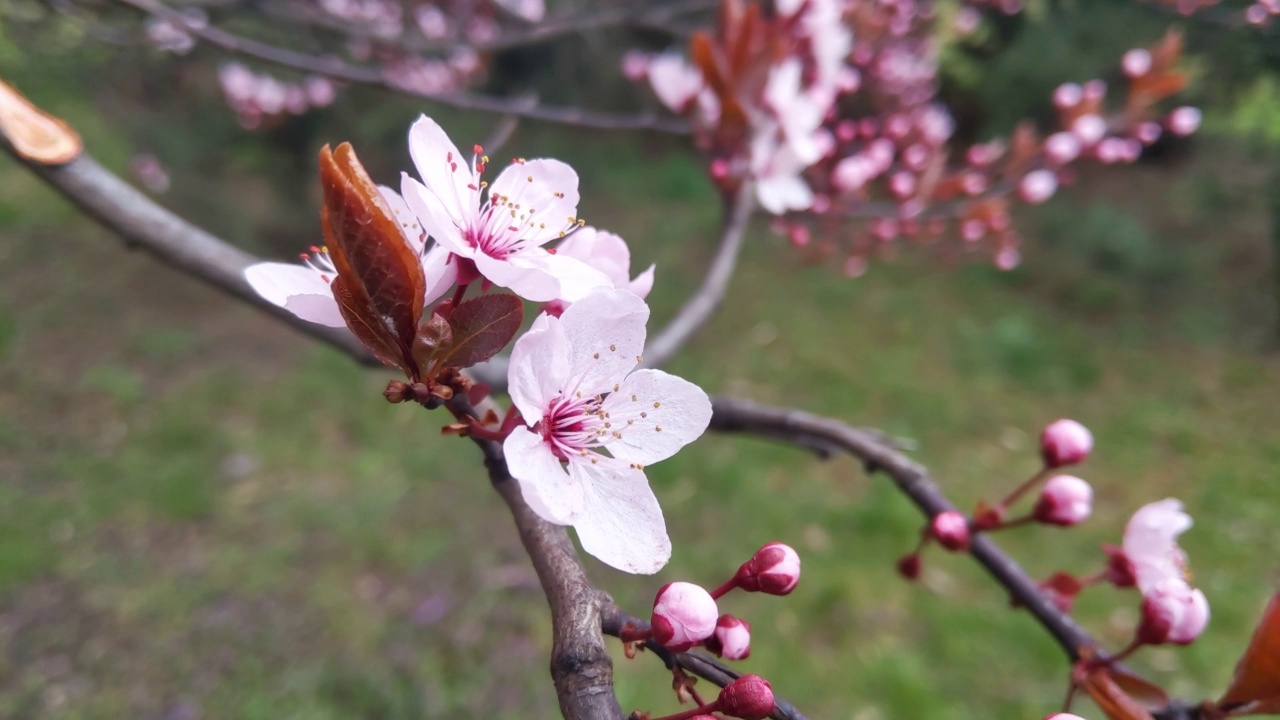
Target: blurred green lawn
<point x="204" y="515"/>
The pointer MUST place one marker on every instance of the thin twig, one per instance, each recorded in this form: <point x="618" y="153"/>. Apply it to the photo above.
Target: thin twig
<point x="336" y="68"/>
<point x="703" y="303"/>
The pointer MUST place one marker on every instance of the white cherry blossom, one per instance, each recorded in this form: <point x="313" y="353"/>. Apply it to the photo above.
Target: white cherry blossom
<point x="571" y="378"/>
<point x="608" y="253"/>
<point x="501" y="228"/>
<point x="303" y="289"/>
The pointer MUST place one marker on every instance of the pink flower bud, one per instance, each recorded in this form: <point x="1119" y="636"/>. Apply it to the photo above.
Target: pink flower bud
<point x="773" y="570"/>
<point x="1089" y="128"/>
<point x="1037" y="186"/>
<point x="635" y="65"/>
<point x="750" y="697"/>
<point x="1062" y="148"/>
<point x="1184" y="121"/>
<point x="1062" y="716"/>
<point x="1066" y="500"/>
<point x="909" y="566"/>
<point x="1120" y="569"/>
<point x="1008" y="259"/>
<point x="684" y="615"/>
<point x="951" y="530"/>
<point x="1067" y="96"/>
<point x="1149" y="132"/>
<point x="1173" y="612"/>
<point x="1065" y="442"/>
<point x="732" y="638"/>
<point x="1136" y="63"/>
<point x="1095" y="90"/>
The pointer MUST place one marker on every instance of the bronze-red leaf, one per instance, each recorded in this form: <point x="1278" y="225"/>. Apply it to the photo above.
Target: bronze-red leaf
<point x="481" y="327"/>
<point x="1255" y="688"/>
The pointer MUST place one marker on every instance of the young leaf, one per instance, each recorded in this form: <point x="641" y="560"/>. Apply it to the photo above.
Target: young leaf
<point x="1114" y="702"/>
<point x="1255" y="689"/>
<point x="481" y="327"/>
<point x="382" y="284"/>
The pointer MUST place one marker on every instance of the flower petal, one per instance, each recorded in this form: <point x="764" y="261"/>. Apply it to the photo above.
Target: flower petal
<point x="602" y="250"/>
<point x="444" y="170"/>
<point x="538" y="369"/>
<point x="605" y="332"/>
<point x="642" y="283"/>
<point x="538" y="198"/>
<point x="527" y="274"/>
<point x="659" y="413"/>
<point x="297" y="289"/>
<point x="551" y="492"/>
<point x="621" y="522"/>
<point x="440" y="274"/>
<point x="414" y="233"/>
<point x="435" y="218"/>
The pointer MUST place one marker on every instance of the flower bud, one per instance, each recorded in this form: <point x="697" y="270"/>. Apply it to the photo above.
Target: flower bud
<point x="1067" y="96"/>
<point x="732" y="638"/>
<point x="1136" y="62"/>
<point x="1120" y="570"/>
<point x="951" y="529"/>
<point x="1089" y="128"/>
<point x="774" y="570"/>
<point x="750" y="697"/>
<point x="1037" y="186"/>
<point x="1062" y="147"/>
<point x="1062" y="716"/>
<point x="1065" y="442"/>
<point x="1184" y="120"/>
<point x="684" y="615"/>
<point x="1173" y="612"/>
<point x="909" y="566"/>
<point x="1066" y="500"/>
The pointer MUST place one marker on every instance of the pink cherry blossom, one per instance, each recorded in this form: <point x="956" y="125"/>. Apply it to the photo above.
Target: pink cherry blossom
<point x="1065" y="442"/>
<point x="304" y="289"/>
<point x="1184" y="120"/>
<point x="780" y="187"/>
<point x="951" y="529"/>
<point x="674" y="80"/>
<point x="1037" y="186"/>
<point x="1062" y="716"/>
<point x="571" y="378"/>
<point x="684" y="615"/>
<point x="773" y="570"/>
<point x="1062" y="147"/>
<point x="732" y="638"/>
<point x="1173" y="612"/>
<point x="1151" y="543"/>
<point x="1066" y="500"/>
<point x="1136" y="62"/>
<point x="501" y="228"/>
<point x="607" y="253"/>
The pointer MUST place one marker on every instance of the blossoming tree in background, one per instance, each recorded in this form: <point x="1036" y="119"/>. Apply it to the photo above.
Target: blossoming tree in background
<point x="499" y="305"/>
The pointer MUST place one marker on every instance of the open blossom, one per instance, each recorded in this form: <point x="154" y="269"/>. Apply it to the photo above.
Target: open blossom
<point x="1151" y="543"/>
<point x="304" y="289"/>
<point x="674" y="80"/>
<point x="571" y="378"/>
<point x="501" y="228"/>
<point x="607" y="253"/>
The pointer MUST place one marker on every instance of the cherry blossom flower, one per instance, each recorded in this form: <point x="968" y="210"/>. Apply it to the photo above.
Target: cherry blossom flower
<point x="1065" y="442"/>
<point x="1173" y="612"/>
<point x="607" y="253"/>
<point x="773" y="570"/>
<point x="571" y="378"/>
<point x="1066" y="500"/>
<point x="304" y="289"/>
<point x="1151" y="545"/>
<point x="951" y="529"/>
<point x="732" y="638"/>
<point x="674" y="80"/>
<point x="684" y="615"/>
<point x="777" y="170"/>
<point x="501" y="228"/>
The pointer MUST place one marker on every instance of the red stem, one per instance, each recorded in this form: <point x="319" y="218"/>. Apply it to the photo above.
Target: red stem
<point x="718" y="592"/>
<point x="1024" y="487"/>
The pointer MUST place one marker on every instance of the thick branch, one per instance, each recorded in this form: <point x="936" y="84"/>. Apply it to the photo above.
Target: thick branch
<point x="731" y="415"/>
<point x="338" y="69"/>
<point x="703" y="303"/>
<point x="142" y="223"/>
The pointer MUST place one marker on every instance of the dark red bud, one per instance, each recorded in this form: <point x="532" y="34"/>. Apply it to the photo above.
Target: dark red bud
<point x="750" y="697"/>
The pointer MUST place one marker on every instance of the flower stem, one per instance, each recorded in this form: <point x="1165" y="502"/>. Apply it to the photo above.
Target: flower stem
<point x="729" y="585"/>
<point x="1025" y="486"/>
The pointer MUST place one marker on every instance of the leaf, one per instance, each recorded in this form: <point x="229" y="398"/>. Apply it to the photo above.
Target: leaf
<point x="34" y="133"/>
<point x="1255" y="688"/>
<point x="481" y="327"/>
<point x="1114" y="702"/>
<point x="434" y="335"/>
<point x="382" y="285"/>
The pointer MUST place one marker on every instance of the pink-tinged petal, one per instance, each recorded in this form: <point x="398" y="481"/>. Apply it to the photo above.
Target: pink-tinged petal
<point x="577" y="279"/>
<point x="535" y="200"/>
<point x="621" y="522"/>
<point x="657" y="414"/>
<point x="527" y="275"/>
<point x="439" y="271"/>
<point x="605" y="332"/>
<point x="444" y="170"/>
<point x="782" y="193"/>
<point x="550" y="491"/>
<point x="1150" y="542"/>
<point x="602" y="250"/>
<point x="643" y="283"/>
<point x="435" y="219"/>
<point x="538" y="369"/>
<point x="414" y="233"/>
<point x="298" y="289"/>
<point x="674" y="81"/>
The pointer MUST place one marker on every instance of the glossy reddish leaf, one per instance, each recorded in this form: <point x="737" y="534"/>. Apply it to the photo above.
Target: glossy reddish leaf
<point x="1255" y="689"/>
<point x="1114" y="702"/>
<point x="382" y="284"/>
<point x="481" y="327"/>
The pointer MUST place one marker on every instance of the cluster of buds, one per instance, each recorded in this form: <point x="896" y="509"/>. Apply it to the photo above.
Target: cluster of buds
<point x="259" y="99"/>
<point x="686" y="615"/>
<point x="1064" y="500"/>
<point x="847" y="143"/>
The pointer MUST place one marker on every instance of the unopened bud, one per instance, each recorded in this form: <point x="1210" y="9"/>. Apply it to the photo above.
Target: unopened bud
<point x="1120" y="571"/>
<point x="1089" y="128"/>
<point x="397" y="392"/>
<point x="1062" y="716"/>
<point x="1066" y="500"/>
<point x="1067" y="96"/>
<point x="773" y="570"/>
<point x="750" y="697"/>
<point x="1173" y="612"/>
<point x="1184" y="121"/>
<point x="1065" y="442"/>
<point x="1037" y="186"/>
<point x="732" y="638"/>
<point x="1136" y="63"/>
<point x="684" y="615"/>
<point x="951" y="529"/>
<point x="909" y="566"/>
<point x="1062" y="147"/>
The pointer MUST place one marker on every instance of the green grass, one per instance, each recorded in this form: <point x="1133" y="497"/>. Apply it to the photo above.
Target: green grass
<point x="201" y="511"/>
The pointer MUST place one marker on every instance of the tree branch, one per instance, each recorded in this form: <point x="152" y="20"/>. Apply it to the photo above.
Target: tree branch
<point x="732" y="415"/>
<point x="702" y="304"/>
<point x="338" y="69"/>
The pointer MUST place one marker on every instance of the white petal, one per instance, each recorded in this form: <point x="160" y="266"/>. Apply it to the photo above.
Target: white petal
<point x="543" y="193"/>
<point x="621" y="522"/>
<point x="674" y="80"/>
<point x="439" y="272"/>
<point x="779" y="194"/>
<point x="410" y="226"/>
<point x="602" y="250"/>
<point x="444" y="170"/>
<point x="527" y="274"/>
<point x="550" y="491"/>
<point x="606" y="332"/>
<point x="298" y="289"/>
<point x="666" y="414"/>
<point x="576" y="278"/>
<point x="642" y="283"/>
<point x="538" y="368"/>
<point x="435" y="219"/>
